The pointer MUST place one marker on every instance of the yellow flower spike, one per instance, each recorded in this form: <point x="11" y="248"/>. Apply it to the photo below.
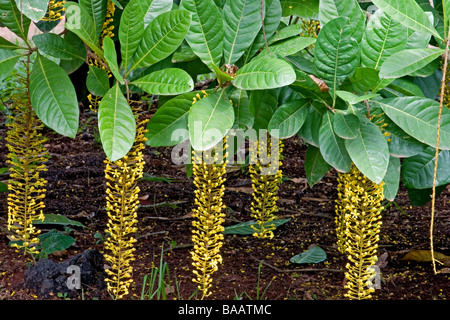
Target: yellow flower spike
<point x="55" y="11"/>
<point x="358" y="228"/>
<point x="26" y="159"/>
<point x="107" y="28"/>
<point x="207" y="233"/>
<point x="310" y="28"/>
<point x="265" y="188"/>
<point x="122" y="204"/>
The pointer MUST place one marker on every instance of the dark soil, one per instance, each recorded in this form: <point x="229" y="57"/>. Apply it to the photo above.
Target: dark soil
<point x="76" y="189"/>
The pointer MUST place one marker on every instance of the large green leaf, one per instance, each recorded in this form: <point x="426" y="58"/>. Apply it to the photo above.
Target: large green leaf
<point x="209" y="120"/>
<point x="382" y="38"/>
<point x="264" y="73"/>
<point x="57" y="219"/>
<point x="111" y="58"/>
<point x="369" y="150"/>
<point x="169" y="81"/>
<point x="161" y="37"/>
<point x="34" y="9"/>
<point x="116" y="124"/>
<point x="13" y="20"/>
<point x="156" y="8"/>
<point x="305" y="9"/>
<point x="6" y="45"/>
<point x="332" y="9"/>
<point x="53" y="97"/>
<point x="288" y="119"/>
<point x="407" y="61"/>
<point x="420" y="197"/>
<point x="418" y="117"/>
<point x="314" y="255"/>
<point x="56" y="46"/>
<point x="97" y="81"/>
<point x="79" y="21"/>
<point x="346" y="126"/>
<point x="392" y="179"/>
<point x="53" y="241"/>
<point x="336" y="53"/>
<point x="288" y="47"/>
<point x="243" y="118"/>
<point x="205" y="35"/>
<point x="408" y="13"/>
<point x="332" y="147"/>
<point x="242" y="21"/>
<point x="402" y="148"/>
<point x="248" y="227"/>
<point x="263" y="104"/>
<point x="310" y="130"/>
<point x="8" y="60"/>
<point x="97" y="11"/>
<point x="271" y="22"/>
<point x="364" y="80"/>
<point x="418" y="170"/>
<point x="79" y="49"/>
<point x="315" y="166"/>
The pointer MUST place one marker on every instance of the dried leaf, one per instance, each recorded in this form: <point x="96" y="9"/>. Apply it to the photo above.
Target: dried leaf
<point x="424" y="256"/>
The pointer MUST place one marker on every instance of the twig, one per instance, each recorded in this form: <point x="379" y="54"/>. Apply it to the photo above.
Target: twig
<point x="151" y="234"/>
<point x="297" y="270"/>
<point x="263" y="28"/>
<point x="296" y="213"/>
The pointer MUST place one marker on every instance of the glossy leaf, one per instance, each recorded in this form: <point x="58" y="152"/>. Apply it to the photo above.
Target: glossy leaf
<point x="6" y="45"/>
<point x="262" y="105"/>
<point x="332" y="147"/>
<point x="405" y="62"/>
<point x="97" y="81"/>
<point x="369" y="150"/>
<point x="288" y="47"/>
<point x="418" y="170"/>
<point x="53" y="241"/>
<point x="8" y="60"/>
<point x="248" y="227"/>
<point x="418" y="117"/>
<point x="408" y="13"/>
<point x="314" y="255"/>
<point x="205" y="35"/>
<point x="382" y="38"/>
<point x="392" y="179"/>
<point x="353" y="98"/>
<point x="306" y="8"/>
<point x="420" y="197"/>
<point x="57" y="219"/>
<point x="53" y="97"/>
<point x="315" y="166"/>
<point x="79" y="49"/>
<point x="169" y="81"/>
<point x="116" y="124"/>
<point x="346" y="126"/>
<point x="156" y="8"/>
<point x="243" y="118"/>
<point x="310" y="130"/>
<point x="336" y="54"/>
<point x="402" y="148"/>
<point x="111" y="58"/>
<point x="97" y="11"/>
<point x="364" y="80"/>
<point x="288" y="119"/>
<point x="161" y="38"/>
<point x="33" y="9"/>
<point x="242" y="21"/>
<point x="56" y="46"/>
<point x="13" y="20"/>
<point x="209" y="121"/>
<point x="264" y="73"/>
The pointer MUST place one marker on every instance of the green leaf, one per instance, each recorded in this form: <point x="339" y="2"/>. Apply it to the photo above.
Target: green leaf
<point x="314" y="255"/>
<point x="205" y="35"/>
<point x="156" y="8"/>
<point x="53" y="97"/>
<point x="315" y="166"/>
<point x="369" y="150"/>
<point x="6" y="45"/>
<point x="54" y="240"/>
<point x="401" y="148"/>
<point x="34" y="9"/>
<point x="305" y="9"/>
<point x="332" y="9"/>
<point x="264" y="73"/>
<point x="169" y="124"/>
<point x="430" y="85"/>
<point x="364" y="80"/>
<point x="420" y="197"/>
<point x="346" y="126"/>
<point x="418" y="117"/>
<point x="209" y="121"/>
<point x="332" y="147"/>
<point x="336" y="54"/>
<point x="288" y="47"/>
<point x="244" y="119"/>
<point x="58" y="219"/>
<point x="97" y="11"/>
<point x="406" y="87"/>
<point x="8" y="60"/>
<point x="111" y="58"/>
<point x="408" y="13"/>
<point x="392" y="179"/>
<point x="80" y="22"/>
<point x="353" y="98"/>
<point x="56" y="46"/>
<point x="250" y="227"/>
<point x="242" y="21"/>
<point x="418" y="170"/>
<point x="3" y="187"/>
<point x="263" y="105"/>
<point x="288" y="119"/>
<point x="309" y="132"/>
<point x="79" y="49"/>
<point x="169" y="81"/>
<point x="286" y="33"/>
<point x="405" y="62"/>
<point x="382" y="38"/>
<point x="161" y="38"/>
<point x="13" y="20"/>
<point x="97" y="81"/>
<point x="116" y="124"/>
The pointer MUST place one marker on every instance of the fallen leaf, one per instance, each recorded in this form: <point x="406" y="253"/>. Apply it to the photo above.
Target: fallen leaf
<point x="248" y="190"/>
<point x="382" y="260"/>
<point x="424" y="256"/>
<point x="144" y="197"/>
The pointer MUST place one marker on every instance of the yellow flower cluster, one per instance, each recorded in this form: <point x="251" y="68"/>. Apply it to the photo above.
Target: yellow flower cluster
<point x="358" y="221"/>
<point x="107" y="28"/>
<point x="94" y="102"/>
<point x="122" y="203"/>
<point x="55" y="11"/>
<point x="265" y="187"/>
<point x="446" y="99"/>
<point x="381" y="124"/>
<point x="26" y="158"/>
<point x="209" y="171"/>
<point x="310" y="28"/>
